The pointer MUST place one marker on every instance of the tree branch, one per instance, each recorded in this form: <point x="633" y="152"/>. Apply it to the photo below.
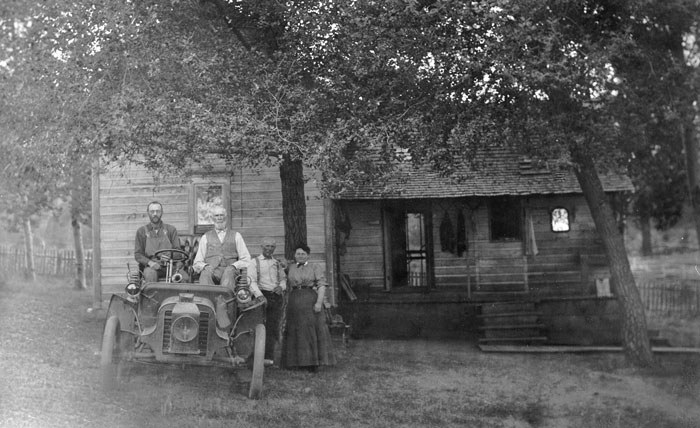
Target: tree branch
<point x="229" y="22"/>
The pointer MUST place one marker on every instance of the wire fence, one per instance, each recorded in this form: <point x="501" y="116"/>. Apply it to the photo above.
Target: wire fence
<point x="670" y="297"/>
<point x="49" y="261"/>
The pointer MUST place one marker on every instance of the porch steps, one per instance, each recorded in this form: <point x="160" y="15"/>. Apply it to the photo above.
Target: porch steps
<point x="510" y="322"/>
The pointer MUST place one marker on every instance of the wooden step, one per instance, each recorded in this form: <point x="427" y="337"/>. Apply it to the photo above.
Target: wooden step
<point x="500" y="286"/>
<point x="504" y="340"/>
<point x="508" y="314"/>
<point x="517" y="331"/>
<point x="488" y="308"/>
<point x="562" y="275"/>
<point x="495" y="296"/>
<point x="511" y="326"/>
<point x="509" y="318"/>
<point x="563" y="289"/>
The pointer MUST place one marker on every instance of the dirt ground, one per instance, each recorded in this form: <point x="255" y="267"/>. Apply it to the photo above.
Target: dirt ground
<point x="49" y="361"/>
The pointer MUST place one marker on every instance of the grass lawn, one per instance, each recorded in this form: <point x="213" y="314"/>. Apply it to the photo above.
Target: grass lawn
<point x="49" y="361"/>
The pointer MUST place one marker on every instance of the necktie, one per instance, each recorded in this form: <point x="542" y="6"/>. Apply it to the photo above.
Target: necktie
<point x="300" y="264"/>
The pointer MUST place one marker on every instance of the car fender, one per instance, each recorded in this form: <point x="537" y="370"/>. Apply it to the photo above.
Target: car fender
<point x="124" y="310"/>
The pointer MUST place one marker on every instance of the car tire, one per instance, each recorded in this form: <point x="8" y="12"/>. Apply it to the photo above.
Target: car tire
<point x="110" y="351"/>
<point x="256" y="380"/>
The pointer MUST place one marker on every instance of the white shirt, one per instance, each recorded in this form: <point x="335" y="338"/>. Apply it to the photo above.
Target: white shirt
<point x="243" y="254"/>
<point x="268" y="274"/>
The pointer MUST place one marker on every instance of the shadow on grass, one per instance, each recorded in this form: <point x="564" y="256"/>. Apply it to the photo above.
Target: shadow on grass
<point x="533" y="413"/>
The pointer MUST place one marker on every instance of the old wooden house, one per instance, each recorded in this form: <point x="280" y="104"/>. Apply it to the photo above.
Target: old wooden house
<point x="508" y="254"/>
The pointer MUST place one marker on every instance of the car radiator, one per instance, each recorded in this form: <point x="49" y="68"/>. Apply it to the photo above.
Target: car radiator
<point x="202" y="337"/>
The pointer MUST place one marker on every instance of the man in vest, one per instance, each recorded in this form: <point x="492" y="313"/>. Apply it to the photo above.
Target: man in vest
<point x="267" y="273"/>
<point x="151" y="238"/>
<point x="221" y="253"/>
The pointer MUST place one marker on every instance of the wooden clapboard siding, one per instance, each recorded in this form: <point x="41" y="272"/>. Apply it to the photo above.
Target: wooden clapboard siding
<point x="451" y="269"/>
<point x="255" y="210"/>
<point x="256" y="207"/>
<point x="124" y="196"/>
<point x="557" y="268"/>
<point x="363" y="260"/>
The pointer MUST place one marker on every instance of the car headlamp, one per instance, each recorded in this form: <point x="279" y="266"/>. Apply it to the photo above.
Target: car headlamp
<point x="243" y="295"/>
<point x="133" y="289"/>
<point x="132" y="292"/>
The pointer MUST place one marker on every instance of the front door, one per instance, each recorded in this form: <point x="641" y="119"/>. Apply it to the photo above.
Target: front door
<point x="407" y="245"/>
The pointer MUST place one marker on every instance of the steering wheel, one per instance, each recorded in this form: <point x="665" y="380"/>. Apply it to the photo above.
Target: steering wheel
<point x="172" y="252"/>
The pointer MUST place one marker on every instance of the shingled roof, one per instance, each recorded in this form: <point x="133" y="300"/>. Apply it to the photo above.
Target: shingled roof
<point x="495" y="173"/>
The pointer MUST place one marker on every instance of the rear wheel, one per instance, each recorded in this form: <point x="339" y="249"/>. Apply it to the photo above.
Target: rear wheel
<point x="258" y="363"/>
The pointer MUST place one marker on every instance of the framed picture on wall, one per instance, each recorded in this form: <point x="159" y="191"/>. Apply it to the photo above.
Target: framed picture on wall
<point x="205" y="196"/>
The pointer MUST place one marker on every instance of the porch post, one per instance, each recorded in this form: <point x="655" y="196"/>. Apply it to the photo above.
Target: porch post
<point x="469" y="282"/>
<point x="331" y="253"/>
<point x="96" y="242"/>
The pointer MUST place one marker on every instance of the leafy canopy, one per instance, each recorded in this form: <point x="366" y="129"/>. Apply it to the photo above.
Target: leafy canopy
<point x="349" y="87"/>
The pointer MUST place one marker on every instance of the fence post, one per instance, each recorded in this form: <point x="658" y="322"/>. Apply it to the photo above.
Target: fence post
<point x="40" y="261"/>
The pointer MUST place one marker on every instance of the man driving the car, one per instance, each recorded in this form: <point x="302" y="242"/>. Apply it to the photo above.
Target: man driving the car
<point x="151" y="238"/>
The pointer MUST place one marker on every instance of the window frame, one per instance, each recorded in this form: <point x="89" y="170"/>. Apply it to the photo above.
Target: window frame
<point x="198" y="182"/>
<point x="568" y="219"/>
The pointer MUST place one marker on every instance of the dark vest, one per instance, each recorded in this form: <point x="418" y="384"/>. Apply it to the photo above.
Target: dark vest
<point x="221" y="253"/>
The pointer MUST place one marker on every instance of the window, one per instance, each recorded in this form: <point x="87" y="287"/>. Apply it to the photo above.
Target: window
<point x="560" y="220"/>
<point x="505" y="219"/>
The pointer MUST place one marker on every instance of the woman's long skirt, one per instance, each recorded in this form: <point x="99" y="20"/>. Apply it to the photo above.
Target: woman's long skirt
<point x="307" y="339"/>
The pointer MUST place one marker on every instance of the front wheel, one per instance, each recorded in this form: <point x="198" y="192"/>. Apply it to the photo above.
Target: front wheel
<point x="108" y="365"/>
<point x="115" y="347"/>
<point x="256" y="381"/>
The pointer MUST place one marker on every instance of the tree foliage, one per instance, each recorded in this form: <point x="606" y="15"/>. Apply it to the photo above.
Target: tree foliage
<point x="51" y="105"/>
<point x="334" y="82"/>
<point x="663" y="86"/>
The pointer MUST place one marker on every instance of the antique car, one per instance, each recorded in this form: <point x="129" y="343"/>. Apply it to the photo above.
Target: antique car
<point x="180" y="323"/>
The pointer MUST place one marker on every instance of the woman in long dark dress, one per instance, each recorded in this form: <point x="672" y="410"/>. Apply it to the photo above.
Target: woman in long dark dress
<point x="307" y="339"/>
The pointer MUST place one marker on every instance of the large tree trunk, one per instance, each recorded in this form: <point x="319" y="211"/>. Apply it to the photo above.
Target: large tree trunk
<point x="80" y="280"/>
<point x="30" y="272"/>
<point x="645" y="230"/>
<point x="293" y="205"/>
<point x="76" y="199"/>
<point x="294" y="217"/>
<point x="635" y="338"/>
